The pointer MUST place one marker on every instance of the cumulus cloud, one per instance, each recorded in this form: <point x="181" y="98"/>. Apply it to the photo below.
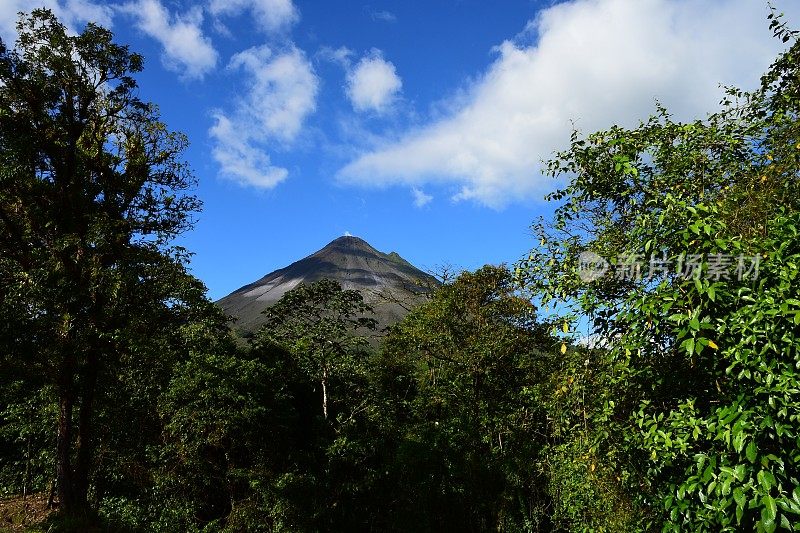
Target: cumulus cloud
<point x="373" y="84"/>
<point x="281" y="93"/>
<point x="72" y="13"/>
<point x="420" y="198"/>
<point x="186" y="49"/>
<point x="271" y="15"/>
<point x="594" y="62"/>
<point x="239" y="160"/>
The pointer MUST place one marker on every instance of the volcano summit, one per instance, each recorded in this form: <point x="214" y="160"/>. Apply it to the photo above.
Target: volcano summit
<point x="389" y="283"/>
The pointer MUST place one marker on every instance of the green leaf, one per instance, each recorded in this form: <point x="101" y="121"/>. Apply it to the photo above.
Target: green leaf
<point x="751" y="452"/>
<point x="738" y="440"/>
<point x="769" y="506"/>
<point x="739" y="497"/>
<point x="767" y="523"/>
<point x="688" y="345"/>
<point x="766" y="480"/>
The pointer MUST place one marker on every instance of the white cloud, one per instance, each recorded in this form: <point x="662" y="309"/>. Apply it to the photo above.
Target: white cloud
<point x="271" y="15"/>
<point x="382" y="16"/>
<point x="72" y="13"/>
<point x="373" y="84"/>
<point x="281" y="94"/>
<point x="340" y="56"/>
<point x="239" y="159"/>
<point x="597" y="62"/>
<point x="186" y="50"/>
<point x="420" y="198"/>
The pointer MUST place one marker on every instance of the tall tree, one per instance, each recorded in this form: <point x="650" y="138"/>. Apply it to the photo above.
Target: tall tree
<point x="315" y="336"/>
<point x="92" y="190"/>
<point x="462" y="375"/>
<point x="319" y="324"/>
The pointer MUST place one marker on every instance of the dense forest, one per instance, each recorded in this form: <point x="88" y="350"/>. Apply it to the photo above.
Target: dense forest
<point x="127" y="403"/>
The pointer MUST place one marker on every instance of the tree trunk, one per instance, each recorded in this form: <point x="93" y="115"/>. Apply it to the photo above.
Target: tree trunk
<point x="52" y="497"/>
<point x="73" y="450"/>
<point x="27" y="479"/>
<point x="325" y="394"/>
<point x="64" y="450"/>
<point x="84" y="437"/>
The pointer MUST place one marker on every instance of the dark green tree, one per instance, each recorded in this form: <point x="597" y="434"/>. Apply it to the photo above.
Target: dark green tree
<point x="330" y="480"/>
<point x="227" y="419"/>
<point x="462" y="376"/>
<point x="91" y="192"/>
<point x="323" y="326"/>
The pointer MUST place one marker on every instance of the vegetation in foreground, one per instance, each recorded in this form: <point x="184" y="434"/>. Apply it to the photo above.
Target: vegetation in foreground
<point x="126" y="397"/>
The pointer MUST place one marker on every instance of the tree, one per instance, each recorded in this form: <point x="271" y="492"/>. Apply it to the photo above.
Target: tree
<point x="318" y="323"/>
<point x="226" y="421"/>
<point x="316" y="336"/>
<point x="462" y="375"/>
<point x="698" y="417"/>
<point x="92" y="190"/>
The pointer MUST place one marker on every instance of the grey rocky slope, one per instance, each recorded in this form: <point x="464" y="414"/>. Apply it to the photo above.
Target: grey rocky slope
<point x="388" y="282"/>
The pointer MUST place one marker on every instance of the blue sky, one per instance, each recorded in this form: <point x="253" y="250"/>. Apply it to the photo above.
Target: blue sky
<point x="419" y="126"/>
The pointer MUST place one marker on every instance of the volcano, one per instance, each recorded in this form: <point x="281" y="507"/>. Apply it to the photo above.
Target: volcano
<point x="389" y="283"/>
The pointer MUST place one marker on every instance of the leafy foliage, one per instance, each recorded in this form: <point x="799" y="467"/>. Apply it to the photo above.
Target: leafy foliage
<point x="696" y="420"/>
<point x="317" y="323"/>
<point x="91" y="191"/>
<point x="464" y="373"/>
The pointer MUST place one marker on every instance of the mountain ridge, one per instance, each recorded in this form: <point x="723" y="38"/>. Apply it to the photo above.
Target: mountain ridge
<point x="388" y="282"/>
